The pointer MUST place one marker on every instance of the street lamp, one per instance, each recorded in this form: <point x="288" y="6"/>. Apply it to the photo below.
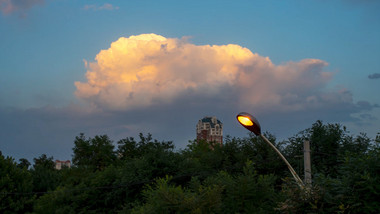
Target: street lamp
<point x="251" y="123"/>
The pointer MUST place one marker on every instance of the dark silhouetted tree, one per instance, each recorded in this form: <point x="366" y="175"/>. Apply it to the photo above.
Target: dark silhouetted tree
<point x="45" y="176"/>
<point x="15" y="187"/>
<point x="93" y="153"/>
<point x="23" y="163"/>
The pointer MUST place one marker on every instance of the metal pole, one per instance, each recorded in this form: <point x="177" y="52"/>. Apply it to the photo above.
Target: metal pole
<point x="307" y="165"/>
<point x="295" y="175"/>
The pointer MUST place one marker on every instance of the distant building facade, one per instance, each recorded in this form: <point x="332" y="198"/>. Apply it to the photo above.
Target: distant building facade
<point x="210" y="129"/>
<point x="60" y="164"/>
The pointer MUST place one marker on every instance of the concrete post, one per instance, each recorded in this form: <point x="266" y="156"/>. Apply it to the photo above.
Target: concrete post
<point x="307" y="164"/>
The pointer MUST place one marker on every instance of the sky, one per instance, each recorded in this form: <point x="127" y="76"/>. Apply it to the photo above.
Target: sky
<point x="124" y="67"/>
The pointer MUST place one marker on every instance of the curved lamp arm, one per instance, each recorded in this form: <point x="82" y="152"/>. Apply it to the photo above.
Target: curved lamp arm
<point x="252" y="124"/>
<point x="295" y="175"/>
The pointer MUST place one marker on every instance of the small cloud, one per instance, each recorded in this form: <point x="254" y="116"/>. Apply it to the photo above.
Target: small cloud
<point x="365" y="105"/>
<point x="367" y="117"/>
<point x="374" y="76"/>
<point x="21" y="7"/>
<point x="105" y="6"/>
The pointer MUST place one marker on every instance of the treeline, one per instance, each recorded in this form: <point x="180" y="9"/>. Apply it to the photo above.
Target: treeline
<point x="244" y="175"/>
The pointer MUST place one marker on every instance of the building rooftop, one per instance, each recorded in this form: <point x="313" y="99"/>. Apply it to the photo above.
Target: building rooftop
<point x="212" y="120"/>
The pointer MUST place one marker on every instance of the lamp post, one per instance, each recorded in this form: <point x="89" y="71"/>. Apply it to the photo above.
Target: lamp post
<point x="251" y="123"/>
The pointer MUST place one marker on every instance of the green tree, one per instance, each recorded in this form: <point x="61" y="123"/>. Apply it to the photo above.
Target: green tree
<point x="23" y="163"/>
<point x="264" y="158"/>
<point x="93" y="153"/>
<point x="45" y="176"/>
<point x="345" y="175"/>
<point x="244" y="175"/>
<point x="326" y="145"/>
<point x="129" y="148"/>
<point x="164" y="197"/>
<point x="358" y="185"/>
<point x="15" y="187"/>
<point x="82" y="151"/>
<point x="44" y="162"/>
<point x="117" y="185"/>
<point x="246" y="192"/>
<point x="201" y="159"/>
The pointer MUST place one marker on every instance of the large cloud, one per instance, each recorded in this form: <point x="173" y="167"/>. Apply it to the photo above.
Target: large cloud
<point x="145" y="84"/>
<point x="149" y="70"/>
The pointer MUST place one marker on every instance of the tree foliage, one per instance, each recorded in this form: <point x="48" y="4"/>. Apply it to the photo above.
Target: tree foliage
<point x="244" y="175"/>
<point x="44" y="176"/>
<point x="93" y="153"/>
<point x="15" y="184"/>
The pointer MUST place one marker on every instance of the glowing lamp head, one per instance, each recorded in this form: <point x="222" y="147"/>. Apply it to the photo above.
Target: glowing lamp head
<point x="249" y="122"/>
<point x="245" y="121"/>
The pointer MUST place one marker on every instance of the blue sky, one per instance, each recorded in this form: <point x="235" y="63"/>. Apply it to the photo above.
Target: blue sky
<point x="327" y="53"/>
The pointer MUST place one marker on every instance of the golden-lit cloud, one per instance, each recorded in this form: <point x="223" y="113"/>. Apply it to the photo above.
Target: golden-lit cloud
<point x="149" y="69"/>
